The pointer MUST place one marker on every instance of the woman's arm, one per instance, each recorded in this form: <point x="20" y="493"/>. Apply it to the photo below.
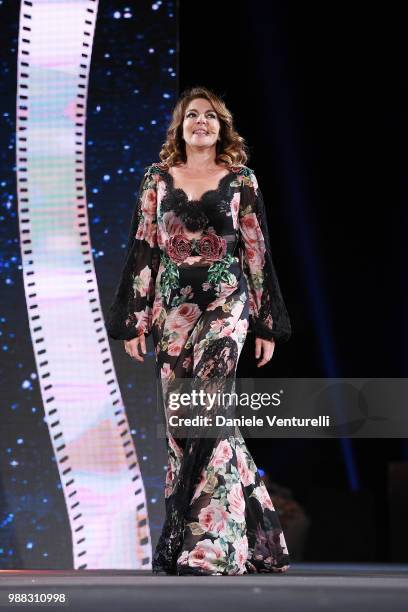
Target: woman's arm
<point x="130" y="314"/>
<point x="269" y="319"/>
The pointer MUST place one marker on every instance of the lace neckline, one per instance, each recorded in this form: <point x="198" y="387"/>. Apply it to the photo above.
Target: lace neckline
<point x="181" y="191"/>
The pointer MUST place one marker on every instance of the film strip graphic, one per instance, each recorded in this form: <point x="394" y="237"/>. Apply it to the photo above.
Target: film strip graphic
<point x="89" y="430"/>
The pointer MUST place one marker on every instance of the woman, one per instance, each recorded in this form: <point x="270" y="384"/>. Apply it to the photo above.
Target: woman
<point x="198" y="274"/>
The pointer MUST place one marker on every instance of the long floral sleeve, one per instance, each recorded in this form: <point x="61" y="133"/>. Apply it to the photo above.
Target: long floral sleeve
<point x="268" y="317"/>
<point x="130" y="313"/>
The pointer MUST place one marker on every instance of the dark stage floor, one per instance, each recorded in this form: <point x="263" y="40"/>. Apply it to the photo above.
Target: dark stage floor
<point x="342" y="587"/>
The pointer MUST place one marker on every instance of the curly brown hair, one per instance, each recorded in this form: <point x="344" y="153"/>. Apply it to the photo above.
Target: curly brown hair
<point x="230" y="149"/>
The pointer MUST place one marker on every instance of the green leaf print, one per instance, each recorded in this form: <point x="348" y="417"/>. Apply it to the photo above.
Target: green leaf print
<point x="169" y="278"/>
<point x="224" y="543"/>
<point x="218" y="271"/>
<point x="221" y="493"/>
<point x="234" y="474"/>
<point x="234" y="531"/>
<point x="231" y="479"/>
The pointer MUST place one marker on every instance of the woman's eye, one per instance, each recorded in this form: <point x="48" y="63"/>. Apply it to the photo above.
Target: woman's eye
<point x="209" y="115"/>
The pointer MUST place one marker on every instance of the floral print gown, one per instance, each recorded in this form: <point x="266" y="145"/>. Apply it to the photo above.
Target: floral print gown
<point x="198" y="275"/>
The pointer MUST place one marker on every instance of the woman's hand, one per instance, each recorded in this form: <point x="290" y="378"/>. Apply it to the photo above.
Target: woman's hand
<point x="136" y="347"/>
<point x="264" y="349"/>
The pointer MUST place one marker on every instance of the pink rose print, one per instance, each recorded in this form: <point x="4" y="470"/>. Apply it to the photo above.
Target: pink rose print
<point x="224" y="291"/>
<point x="241" y="551"/>
<point x="172" y="223"/>
<point x="251" y="231"/>
<point x="166" y="371"/>
<point x="236" y="503"/>
<point x="178" y="248"/>
<point x="141" y="283"/>
<point x="223" y="453"/>
<point x="241" y="326"/>
<point x="147" y="230"/>
<point x="213" y="517"/>
<point x="176" y="346"/>
<point x="149" y="202"/>
<point x="183" y="558"/>
<point x="216" y="303"/>
<point x="236" y="310"/>
<point x="187" y="363"/>
<point x="218" y="325"/>
<point x="212" y="247"/>
<point x="161" y="189"/>
<point x="262" y="494"/>
<point x="235" y="209"/>
<point x="228" y="330"/>
<point x="182" y="318"/>
<point x="255" y="257"/>
<point x="157" y="307"/>
<point x="226" y="327"/>
<point x="246" y="475"/>
<point x="187" y="291"/>
<point x="205" y="554"/>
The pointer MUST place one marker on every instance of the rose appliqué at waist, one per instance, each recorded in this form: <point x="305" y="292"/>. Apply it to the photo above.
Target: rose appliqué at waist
<point x="210" y="246"/>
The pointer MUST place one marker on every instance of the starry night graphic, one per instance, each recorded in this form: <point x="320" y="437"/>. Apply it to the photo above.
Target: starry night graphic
<point x="132" y="89"/>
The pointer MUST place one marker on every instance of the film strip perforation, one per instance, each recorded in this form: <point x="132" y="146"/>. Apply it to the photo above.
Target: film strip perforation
<point x="23" y="106"/>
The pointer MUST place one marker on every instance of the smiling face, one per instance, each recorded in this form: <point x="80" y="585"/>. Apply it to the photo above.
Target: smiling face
<point x="201" y="126"/>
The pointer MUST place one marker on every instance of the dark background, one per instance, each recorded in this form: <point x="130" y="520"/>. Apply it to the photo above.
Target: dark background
<point x="312" y="89"/>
